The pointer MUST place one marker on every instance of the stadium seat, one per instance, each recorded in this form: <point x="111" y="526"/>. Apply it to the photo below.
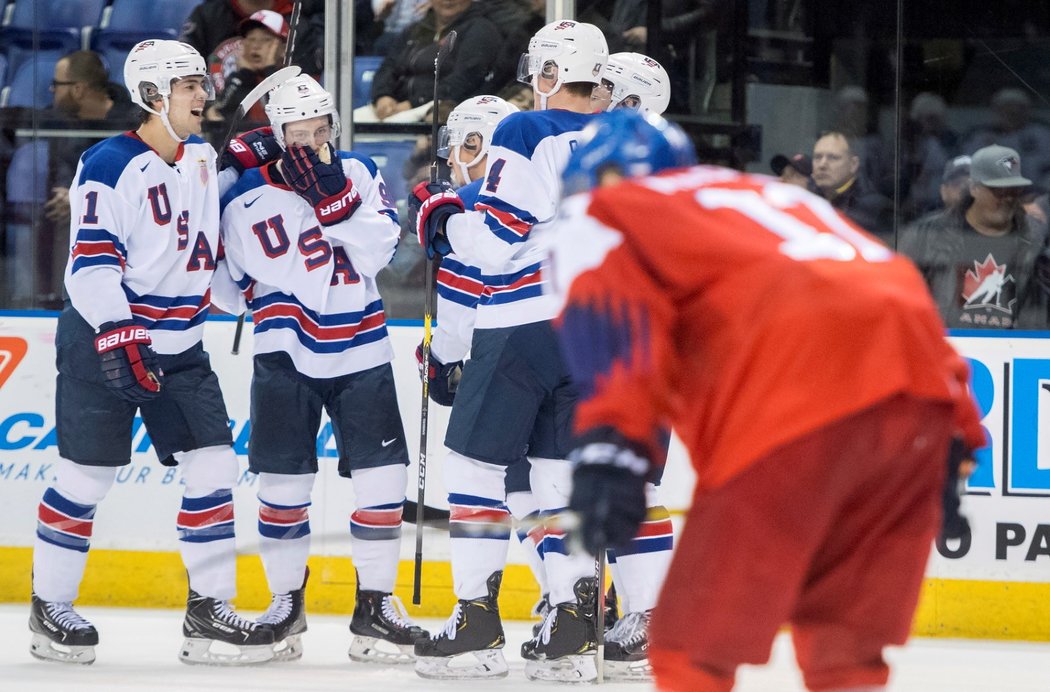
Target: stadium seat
<point x="57" y="14"/>
<point x="151" y="18"/>
<point x="390" y="155"/>
<point x="3" y="71"/>
<point x="365" y="67"/>
<point x="27" y="174"/>
<point x="30" y="85"/>
<point x="26" y="193"/>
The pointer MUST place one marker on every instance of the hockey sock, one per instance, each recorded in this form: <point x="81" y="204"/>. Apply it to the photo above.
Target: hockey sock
<point x="284" y="528"/>
<point x="205" y="521"/>
<point x="640" y="567"/>
<point x="375" y="527"/>
<point x="522" y="506"/>
<point x="65" y="519"/>
<point x="479" y="526"/>
<point x="551" y="483"/>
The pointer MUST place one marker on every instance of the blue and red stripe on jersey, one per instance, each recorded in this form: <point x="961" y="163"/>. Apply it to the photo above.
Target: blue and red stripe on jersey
<point x="283" y="522"/>
<point x="377" y="523"/>
<point x="95" y="247"/>
<point x="508" y="288"/>
<point x="509" y="223"/>
<point x="64" y="523"/>
<point x="654" y="535"/>
<point x="170" y="313"/>
<point x="320" y="333"/>
<point x="459" y="283"/>
<point x="554" y="540"/>
<point x="471" y="516"/>
<point x="206" y="519"/>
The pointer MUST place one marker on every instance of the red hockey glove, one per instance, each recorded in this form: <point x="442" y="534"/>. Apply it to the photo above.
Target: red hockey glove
<point x="443" y="378"/>
<point x="129" y="365"/>
<point x="608" y="491"/>
<point x="324" y="185"/>
<point x="430" y="205"/>
<point x="252" y="149"/>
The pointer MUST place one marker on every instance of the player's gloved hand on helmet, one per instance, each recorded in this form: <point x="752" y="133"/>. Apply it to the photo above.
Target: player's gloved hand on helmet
<point x="251" y="149"/>
<point x="129" y="365"/>
<point x="608" y="491"/>
<point x="960" y="463"/>
<point x="443" y="378"/>
<point x="430" y="205"/>
<point x="324" y="185"/>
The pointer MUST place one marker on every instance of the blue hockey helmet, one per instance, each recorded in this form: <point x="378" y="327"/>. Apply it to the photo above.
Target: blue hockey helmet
<point x="628" y="142"/>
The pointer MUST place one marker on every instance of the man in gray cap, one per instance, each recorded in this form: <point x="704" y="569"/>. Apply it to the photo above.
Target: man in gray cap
<point x="979" y="256"/>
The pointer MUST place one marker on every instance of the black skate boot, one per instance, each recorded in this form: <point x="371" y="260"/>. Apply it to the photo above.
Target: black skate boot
<point x="565" y="647"/>
<point x="60" y="634"/>
<point x="209" y="620"/>
<point x="381" y="617"/>
<point x="286" y="616"/>
<point x="540" y="610"/>
<point x="627" y="649"/>
<point x="474" y="628"/>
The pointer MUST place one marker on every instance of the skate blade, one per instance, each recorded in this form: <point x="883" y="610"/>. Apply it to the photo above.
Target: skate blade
<point x="46" y="650"/>
<point x="376" y="650"/>
<point x="628" y="671"/>
<point x="490" y="664"/>
<point x="288" y="649"/>
<point x="567" y="669"/>
<point x="211" y="652"/>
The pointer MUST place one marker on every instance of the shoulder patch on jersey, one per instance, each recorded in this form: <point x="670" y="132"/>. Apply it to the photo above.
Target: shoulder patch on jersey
<point x="522" y="132"/>
<point x="251" y="179"/>
<point x="106" y="161"/>
<point x="366" y="160"/>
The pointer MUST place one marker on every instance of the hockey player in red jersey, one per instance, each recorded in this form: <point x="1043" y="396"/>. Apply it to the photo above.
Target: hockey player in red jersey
<point x="805" y="368"/>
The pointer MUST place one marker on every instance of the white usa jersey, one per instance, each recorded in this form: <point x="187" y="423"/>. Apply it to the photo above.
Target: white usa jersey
<point x="144" y="236"/>
<point x="311" y="288"/>
<point x="518" y="200"/>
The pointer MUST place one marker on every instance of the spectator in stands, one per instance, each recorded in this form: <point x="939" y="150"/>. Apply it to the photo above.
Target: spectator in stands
<point x="795" y="170"/>
<point x="853" y="114"/>
<point x="979" y="257"/>
<point x="836" y="168"/>
<point x="404" y="83"/>
<point x="926" y="148"/>
<point x="955" y="182"/>
<point x="261" y="53"/>
<point x="213" y="28"/>
<point x="394" y="16"/>
<point x="83" y="96"/>
<point x="1014" y="127"/>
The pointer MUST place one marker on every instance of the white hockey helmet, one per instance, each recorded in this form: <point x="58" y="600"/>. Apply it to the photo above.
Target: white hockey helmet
<point x="300" y="98"/>
<point x="578" y="50"/>
<point x="154" y="64"/>
<point x="478" y="115"/>
<point x="640" y="79"/>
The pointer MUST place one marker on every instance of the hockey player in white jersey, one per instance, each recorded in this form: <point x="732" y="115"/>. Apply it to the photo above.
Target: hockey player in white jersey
<point x="305" y="236"/>
<point x="144" y="238"/>
<point x="515" y="397"/>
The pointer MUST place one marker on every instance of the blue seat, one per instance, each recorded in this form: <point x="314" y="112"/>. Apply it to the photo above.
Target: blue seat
<point x="3" y="71"/>
<point x="21" y="44"/>
<point x="57" y="14"/>
<point x="390" y="156"/>
<point x="365" y="67"/>
<point x="114" y="47"/>
<point x="27" y="174"/>
<point x="158" y="18"/>
<point x="31" y="82"/>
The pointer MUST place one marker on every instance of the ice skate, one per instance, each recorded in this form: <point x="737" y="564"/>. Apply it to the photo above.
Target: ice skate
<point x="474" y="628"/>
<point x="540" y="610"/>
<point x="286" y="616"/>
<point x="217" y="636"/>
<point x="566" y="645"/>
<point x="382" y="631"/>
<point x="60" y="634"/>
<point x="627" y="649"/>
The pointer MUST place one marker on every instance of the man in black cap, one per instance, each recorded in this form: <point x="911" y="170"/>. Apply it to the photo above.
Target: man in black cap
<point x="794" y="170"/>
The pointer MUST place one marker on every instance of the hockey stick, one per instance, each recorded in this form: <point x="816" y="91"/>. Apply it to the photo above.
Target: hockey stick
<point x="274" y="80"/>
<point x="444" y="48"/>
<point x="599" y="617"/>
<point x="433" y="517"/>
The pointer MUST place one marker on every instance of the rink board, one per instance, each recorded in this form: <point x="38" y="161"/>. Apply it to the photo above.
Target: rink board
<point x="994" y="584"/>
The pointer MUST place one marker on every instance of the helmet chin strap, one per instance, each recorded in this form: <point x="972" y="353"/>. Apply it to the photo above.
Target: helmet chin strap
<point x="546" y="95"/>
<point x="163" y="113"/>
<point x="464" y="168"/>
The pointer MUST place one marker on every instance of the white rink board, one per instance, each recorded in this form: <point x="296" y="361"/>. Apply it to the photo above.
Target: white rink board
<point x="1008" y="544"/>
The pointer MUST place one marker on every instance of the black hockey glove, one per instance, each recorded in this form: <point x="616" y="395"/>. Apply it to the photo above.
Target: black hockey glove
<point x="129" y="365"/>
<point x="252" y="149"/>
<point x="954" y="524"/>
<point x="429" y="207"/>
<point x="324" y="185"/>
<point x="608" y="492"/>
<point x="443" y="377"/>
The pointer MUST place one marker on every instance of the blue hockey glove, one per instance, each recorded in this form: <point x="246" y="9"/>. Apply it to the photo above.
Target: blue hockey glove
<point x="324" y="185"/>
<point x="608" y="491"/>
<point x="430" y="205"/>
<point x="251" y="149"/>
<point x="129" y="365"/>
<point x="443" y="377"/>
